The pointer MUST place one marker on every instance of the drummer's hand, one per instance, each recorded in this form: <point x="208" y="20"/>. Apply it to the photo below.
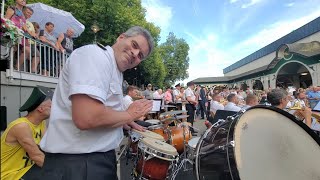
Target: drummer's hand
<point x="126" y="127"/>
<point x="139" y="108"/>
<point x="136" y="126"/>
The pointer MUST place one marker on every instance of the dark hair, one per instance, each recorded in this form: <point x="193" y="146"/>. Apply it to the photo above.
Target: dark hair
<point x="29" y="8"/>
<point x="275" y="96"/>
<point x="190" y="83"/>
<point x="49" y="23"/>
<point x="36" y="25"/>
<point x="230" y="97"/>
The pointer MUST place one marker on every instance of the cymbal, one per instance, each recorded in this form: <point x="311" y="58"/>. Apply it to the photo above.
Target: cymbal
<point x="168" y="106"/>
<point x="182" y="116"/>
<point x="172" y="112"/>
<point x="175" y="118"/>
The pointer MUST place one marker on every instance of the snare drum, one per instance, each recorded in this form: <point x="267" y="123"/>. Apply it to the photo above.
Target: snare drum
<point x="263" y="143"/>
<point x="136" y="135"/>
<point x="155" y="159"/>
<point x="178" y="135"/>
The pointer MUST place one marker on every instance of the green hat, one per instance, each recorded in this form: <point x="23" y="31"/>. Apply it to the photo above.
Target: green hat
<point x="38" y="95"/>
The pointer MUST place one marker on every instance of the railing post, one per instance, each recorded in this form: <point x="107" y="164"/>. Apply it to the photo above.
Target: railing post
<point x="9" y="72"/>
<point x="2" y="8"/>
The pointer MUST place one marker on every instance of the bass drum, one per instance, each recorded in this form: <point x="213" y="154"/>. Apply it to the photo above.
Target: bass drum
<point x="263" y="143"/>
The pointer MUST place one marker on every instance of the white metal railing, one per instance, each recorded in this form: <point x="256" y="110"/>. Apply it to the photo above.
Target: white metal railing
<point x="34" y="57"/>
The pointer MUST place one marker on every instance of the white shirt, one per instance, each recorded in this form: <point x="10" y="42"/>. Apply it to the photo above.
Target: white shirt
<point x="127" y="101"/>
<point x="215" y="105"/>
<point x="245" y="107"/>
<point x="92" y="71"/>
<point x="156" y="95"/>
<point x="230" y="106"/>
<point x="176" y="92"/>
<point x="189" y="93"/>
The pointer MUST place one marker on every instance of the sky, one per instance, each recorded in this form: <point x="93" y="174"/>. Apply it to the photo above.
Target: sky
<point x="222" y="32"/>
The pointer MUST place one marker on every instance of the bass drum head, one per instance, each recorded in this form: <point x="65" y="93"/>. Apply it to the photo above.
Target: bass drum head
<point x="271" y="144"/>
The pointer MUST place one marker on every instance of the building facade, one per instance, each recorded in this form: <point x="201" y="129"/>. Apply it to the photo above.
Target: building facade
<point x="293" y="60"/>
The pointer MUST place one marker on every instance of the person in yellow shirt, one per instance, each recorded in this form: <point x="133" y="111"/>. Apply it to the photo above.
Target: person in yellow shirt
<point x="21" y="157"/>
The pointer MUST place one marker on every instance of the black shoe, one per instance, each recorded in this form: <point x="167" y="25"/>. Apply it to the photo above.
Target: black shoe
<point x="194" y="134"/>
<point x="193" y="131"/>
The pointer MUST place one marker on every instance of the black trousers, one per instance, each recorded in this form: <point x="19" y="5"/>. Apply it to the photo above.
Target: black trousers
<point x="33" y="173"/>
<point x="179" y="106"/>
<point x="90" y="166"/>
<point x="202" y="108"/>
<point x="190" y="111"/>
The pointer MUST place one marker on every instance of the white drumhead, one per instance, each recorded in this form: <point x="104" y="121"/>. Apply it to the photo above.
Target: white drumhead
<point x="193" y="142"/>
<point x="269" y="145"/>
<point x="153" y="121"/>
<point x="149" y="134"/>
<point x="160" y="146"/>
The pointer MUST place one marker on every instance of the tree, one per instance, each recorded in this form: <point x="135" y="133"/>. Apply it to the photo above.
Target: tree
<point x="113" y="18"/>
<point x="174" y="53"/>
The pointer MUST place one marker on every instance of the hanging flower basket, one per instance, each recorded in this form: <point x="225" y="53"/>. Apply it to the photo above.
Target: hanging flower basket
<point x="9" y="32"/>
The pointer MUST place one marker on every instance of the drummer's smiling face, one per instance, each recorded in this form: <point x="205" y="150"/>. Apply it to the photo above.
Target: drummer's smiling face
<point x="130" y="51"/>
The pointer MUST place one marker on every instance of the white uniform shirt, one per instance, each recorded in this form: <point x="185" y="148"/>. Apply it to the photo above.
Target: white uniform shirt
<point x="92" y="71"/>
<point x="189" y="93"/>
<point x="215" y="105"/>
<point x="176" y="92"/>
<point x="230" y="106"/>
<point x="127" y="101"/>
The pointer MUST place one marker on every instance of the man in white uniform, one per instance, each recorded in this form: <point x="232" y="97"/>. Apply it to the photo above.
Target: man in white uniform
<point x="251" y="100"/>
<point x="132" y="92"/>
<point x="279" y="98"/>
<point x="215" y="103"/>
<point x="191" y="103"/>
<point x="177" y="96"/>
<point x="87" y="113"/>
<point x="232" y="103"/>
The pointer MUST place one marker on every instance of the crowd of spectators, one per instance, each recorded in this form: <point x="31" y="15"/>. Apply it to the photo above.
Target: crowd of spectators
<point x="52" y="49"/>
<point x="211" y="99"/>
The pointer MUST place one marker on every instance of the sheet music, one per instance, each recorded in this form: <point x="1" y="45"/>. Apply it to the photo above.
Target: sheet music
<point x="156" y="105"/>
<point x="317" y="107"/>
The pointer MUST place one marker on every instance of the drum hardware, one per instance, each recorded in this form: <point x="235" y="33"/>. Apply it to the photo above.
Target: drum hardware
<point x="172" y="113"/>
<point x="174" y="117"/>
<point x="124" y="148"/>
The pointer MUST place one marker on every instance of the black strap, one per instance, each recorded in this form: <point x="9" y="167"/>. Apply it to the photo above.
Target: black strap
<point x="101" y="46"/>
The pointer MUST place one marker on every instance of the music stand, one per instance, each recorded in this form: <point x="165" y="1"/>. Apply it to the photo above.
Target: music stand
<point x="221" y="114"/>
<point x="156" y="108"/>
<point x="316" y="107"/>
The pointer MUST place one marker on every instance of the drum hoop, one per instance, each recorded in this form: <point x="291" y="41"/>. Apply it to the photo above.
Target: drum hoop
<point x="156" y="153"/>
<point x="277" y="110"/>
<point x="292" y="117"/>
<point x="196" y="169"/>
<point x="154" y="127"/>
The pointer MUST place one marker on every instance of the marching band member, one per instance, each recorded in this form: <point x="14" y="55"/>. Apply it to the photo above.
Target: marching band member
<point x="279" y="98"/>
<point x="232" y="103"/>
<point x="87" y="116"/>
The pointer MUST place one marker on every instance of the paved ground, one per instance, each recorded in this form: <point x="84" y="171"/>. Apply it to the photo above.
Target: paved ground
<point x="198" y="124"/>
